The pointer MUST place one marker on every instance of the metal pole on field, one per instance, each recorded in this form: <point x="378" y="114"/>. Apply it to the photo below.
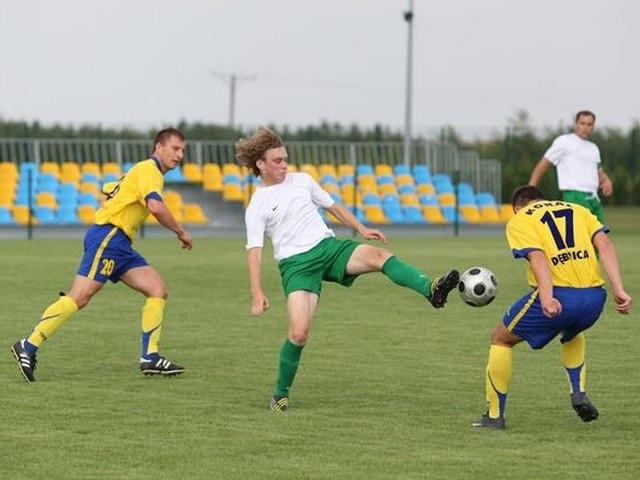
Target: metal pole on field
<point x="408" y="17"/>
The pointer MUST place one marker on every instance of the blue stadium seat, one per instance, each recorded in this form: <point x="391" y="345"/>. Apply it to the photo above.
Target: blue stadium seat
<point x="88" y="199"/>
<point x="45" y="215"/>
<point x="175" y="176"/>
<point x="401" y="169"/>
<point x="421" y="174"/>
<point x="413" y="215"/>
<point x="364" y="169"/>
<point x="67" y="215"/>
<point x="5" y="216"/>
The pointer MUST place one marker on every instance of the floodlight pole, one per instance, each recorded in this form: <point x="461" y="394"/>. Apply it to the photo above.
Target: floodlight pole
<point x="233" y="79"/>
<point x="408" y="17"/>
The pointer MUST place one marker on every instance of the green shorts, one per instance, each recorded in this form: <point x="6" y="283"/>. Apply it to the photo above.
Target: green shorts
<point x="326" y="261"/>
<point x="587" y="200"/>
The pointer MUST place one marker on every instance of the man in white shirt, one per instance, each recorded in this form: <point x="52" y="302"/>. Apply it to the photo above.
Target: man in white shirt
<point x="578" y="165"/>
<point x="285" y="208"/>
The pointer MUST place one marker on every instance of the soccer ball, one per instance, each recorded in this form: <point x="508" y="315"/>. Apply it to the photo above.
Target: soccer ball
<point x="478" y="286"/>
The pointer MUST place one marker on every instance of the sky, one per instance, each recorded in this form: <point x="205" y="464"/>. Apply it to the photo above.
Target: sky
<point x="476" y="64"/>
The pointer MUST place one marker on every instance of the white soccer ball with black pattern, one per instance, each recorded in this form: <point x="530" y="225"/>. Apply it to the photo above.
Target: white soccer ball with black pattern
<point x="478" y="286"/>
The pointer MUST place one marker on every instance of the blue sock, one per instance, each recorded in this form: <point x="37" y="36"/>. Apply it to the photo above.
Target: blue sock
<point x="30" y="348"/>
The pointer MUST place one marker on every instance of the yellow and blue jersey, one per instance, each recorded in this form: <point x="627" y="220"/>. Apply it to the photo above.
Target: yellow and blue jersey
<point x="563" y="232"/>
<point x="126" y="200"/>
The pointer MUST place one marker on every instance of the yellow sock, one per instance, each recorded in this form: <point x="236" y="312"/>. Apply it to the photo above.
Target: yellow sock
<point x="573" y="353"/>
<point x="53" y="317"/>
<point x="499" y="370"/>
<point x="152" y="314"/>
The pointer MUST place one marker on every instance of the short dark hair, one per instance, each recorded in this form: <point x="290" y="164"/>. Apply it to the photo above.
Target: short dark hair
<point x="524" y="195"/>
<point x="585" y="113"/>
<point x="163" y="135"/>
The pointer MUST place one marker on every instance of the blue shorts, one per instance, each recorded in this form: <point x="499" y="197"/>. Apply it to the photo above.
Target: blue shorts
<point x="581" y="307"/>
<point x="108" y="254"/>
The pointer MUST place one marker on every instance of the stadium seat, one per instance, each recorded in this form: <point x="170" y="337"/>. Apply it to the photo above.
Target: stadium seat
<point x="433" y="214"/>
<point x="375" y="214"/>
<point x="86" y="213"/>
<point x="21" y="215"/>
<point x="91" y="168"/>
<point x="490" y="214"/>
<point x="70" y="173"/>
<point x="421" y="174"/>
<point x="5" y="216"/>
<point x="413" y="214"/>
<point x="67" y="215"/>
<point x="47" y="199"/>
<point x="192" y="172"/>
<point x="8" y="169"/>
<point x="51" y="168"/>
<point x="311" y="170"/>
<point x="506" y="212"/>
<point x="194" y="214"/>
<point x="126" y="166"/>
<point x="45" y="215"/>
<point x="470" y="213"/>
<point x="112" y="168"/>
<point x="383" y="169"/>
<point x="212" y="177"/>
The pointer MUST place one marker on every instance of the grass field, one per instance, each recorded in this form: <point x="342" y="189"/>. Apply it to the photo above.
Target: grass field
<point x="387" y="389"/>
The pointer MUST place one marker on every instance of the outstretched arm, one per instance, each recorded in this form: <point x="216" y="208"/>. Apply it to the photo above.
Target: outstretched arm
<point x="259" y="301"/>
<point x="345" y="216"/>
<point x="159" y="210"/>
<point x="538" y="171"/>
<point x="609" y="259"/>
<point x="550" y="306"/>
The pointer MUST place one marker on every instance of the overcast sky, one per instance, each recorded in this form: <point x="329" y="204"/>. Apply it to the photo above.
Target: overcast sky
<point x="147" y="63"/>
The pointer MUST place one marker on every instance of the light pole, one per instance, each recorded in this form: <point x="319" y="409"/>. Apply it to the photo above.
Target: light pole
<point x="408" y="17"/>
<point x="233" y="79"/>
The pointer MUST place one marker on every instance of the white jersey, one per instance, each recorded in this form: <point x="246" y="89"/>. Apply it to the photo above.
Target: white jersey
<point x="577" y="162"/>
<point x="288" y="214"/>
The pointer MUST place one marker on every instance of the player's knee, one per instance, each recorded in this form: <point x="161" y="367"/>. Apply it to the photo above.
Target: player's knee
<point x="299" y="337"/>
<point x="381" y="256"/>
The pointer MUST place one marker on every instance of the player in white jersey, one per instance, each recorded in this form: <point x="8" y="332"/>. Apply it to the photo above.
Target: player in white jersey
<point x="578" y="166"/>
<point x="285" y="208"/>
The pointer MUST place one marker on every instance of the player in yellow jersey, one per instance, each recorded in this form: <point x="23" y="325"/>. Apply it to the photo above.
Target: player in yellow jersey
<point x="560" y="241"/>
<point x="108" y="255"/>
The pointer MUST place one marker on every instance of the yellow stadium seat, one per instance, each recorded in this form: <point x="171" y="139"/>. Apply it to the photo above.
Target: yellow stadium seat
<point x="327" y="169"/>
<point x="212" y="177"/>
<point x="345" y="169"/>
<point x="46" y="199"/>
<point x="291" y="168"/>
<point x="90" y="188"/>
<point x="409" y="200"/>
<point x="8" y="169"/>
<point x="331" y="188"/>
<point x="112" y="168"/>
<point x="21" y="215"/>
<point x="86" y="214"/>
<point x="375" y="214"/>
<point x="192" y="172"/>
<point x="194" y="214"/>
<point x="490" y="214"/>
<point x="433" y="214"/>
<point x="231" y="169"/>
<point x="233" y="192"/>
<point x="92" y="168"/>
<point x="388" y="189"/>
<point x="383" y="169"/>
<point x="404" y="179"/>
<point x="426" y="189"/>
<point x="172" y="199"/>
<point x="506" y="212"/>
<point x="447" y="199"/>
<point x="348" y="194"/>
<point x="311" y="170"/>
<point x="51" y="168"/>
<point x="470" y="213"/>
<point x="70" y="173"/>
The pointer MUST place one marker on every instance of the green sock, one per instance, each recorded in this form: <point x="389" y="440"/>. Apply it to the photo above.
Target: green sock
<point x="407" y="275"/>
<point x="289" y="361"/>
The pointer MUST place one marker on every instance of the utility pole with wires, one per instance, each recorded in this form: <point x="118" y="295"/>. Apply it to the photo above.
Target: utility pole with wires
<point x="232" y="79"/>
<point x="408" y="17"/>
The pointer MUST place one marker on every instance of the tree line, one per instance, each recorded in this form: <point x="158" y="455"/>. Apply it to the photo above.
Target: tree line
<point x="518" y="148"/>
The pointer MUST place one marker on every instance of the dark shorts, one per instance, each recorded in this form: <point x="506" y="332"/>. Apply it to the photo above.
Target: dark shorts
<point x="326" y="261"/>
<point x="108" y="254"/>
<point x="581" y="308"/>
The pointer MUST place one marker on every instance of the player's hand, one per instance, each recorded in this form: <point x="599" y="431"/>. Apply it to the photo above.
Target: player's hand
<point x="551" y="308"/>
<point x="259" y="305"/>
<point x="372" y="234"/>
<point x="606" y="187"/>
<point x="623" y="302"/>
<point x="185" y="240"/>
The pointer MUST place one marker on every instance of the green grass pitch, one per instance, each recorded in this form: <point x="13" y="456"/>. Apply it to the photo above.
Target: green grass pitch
<point x="387" y="388"/>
